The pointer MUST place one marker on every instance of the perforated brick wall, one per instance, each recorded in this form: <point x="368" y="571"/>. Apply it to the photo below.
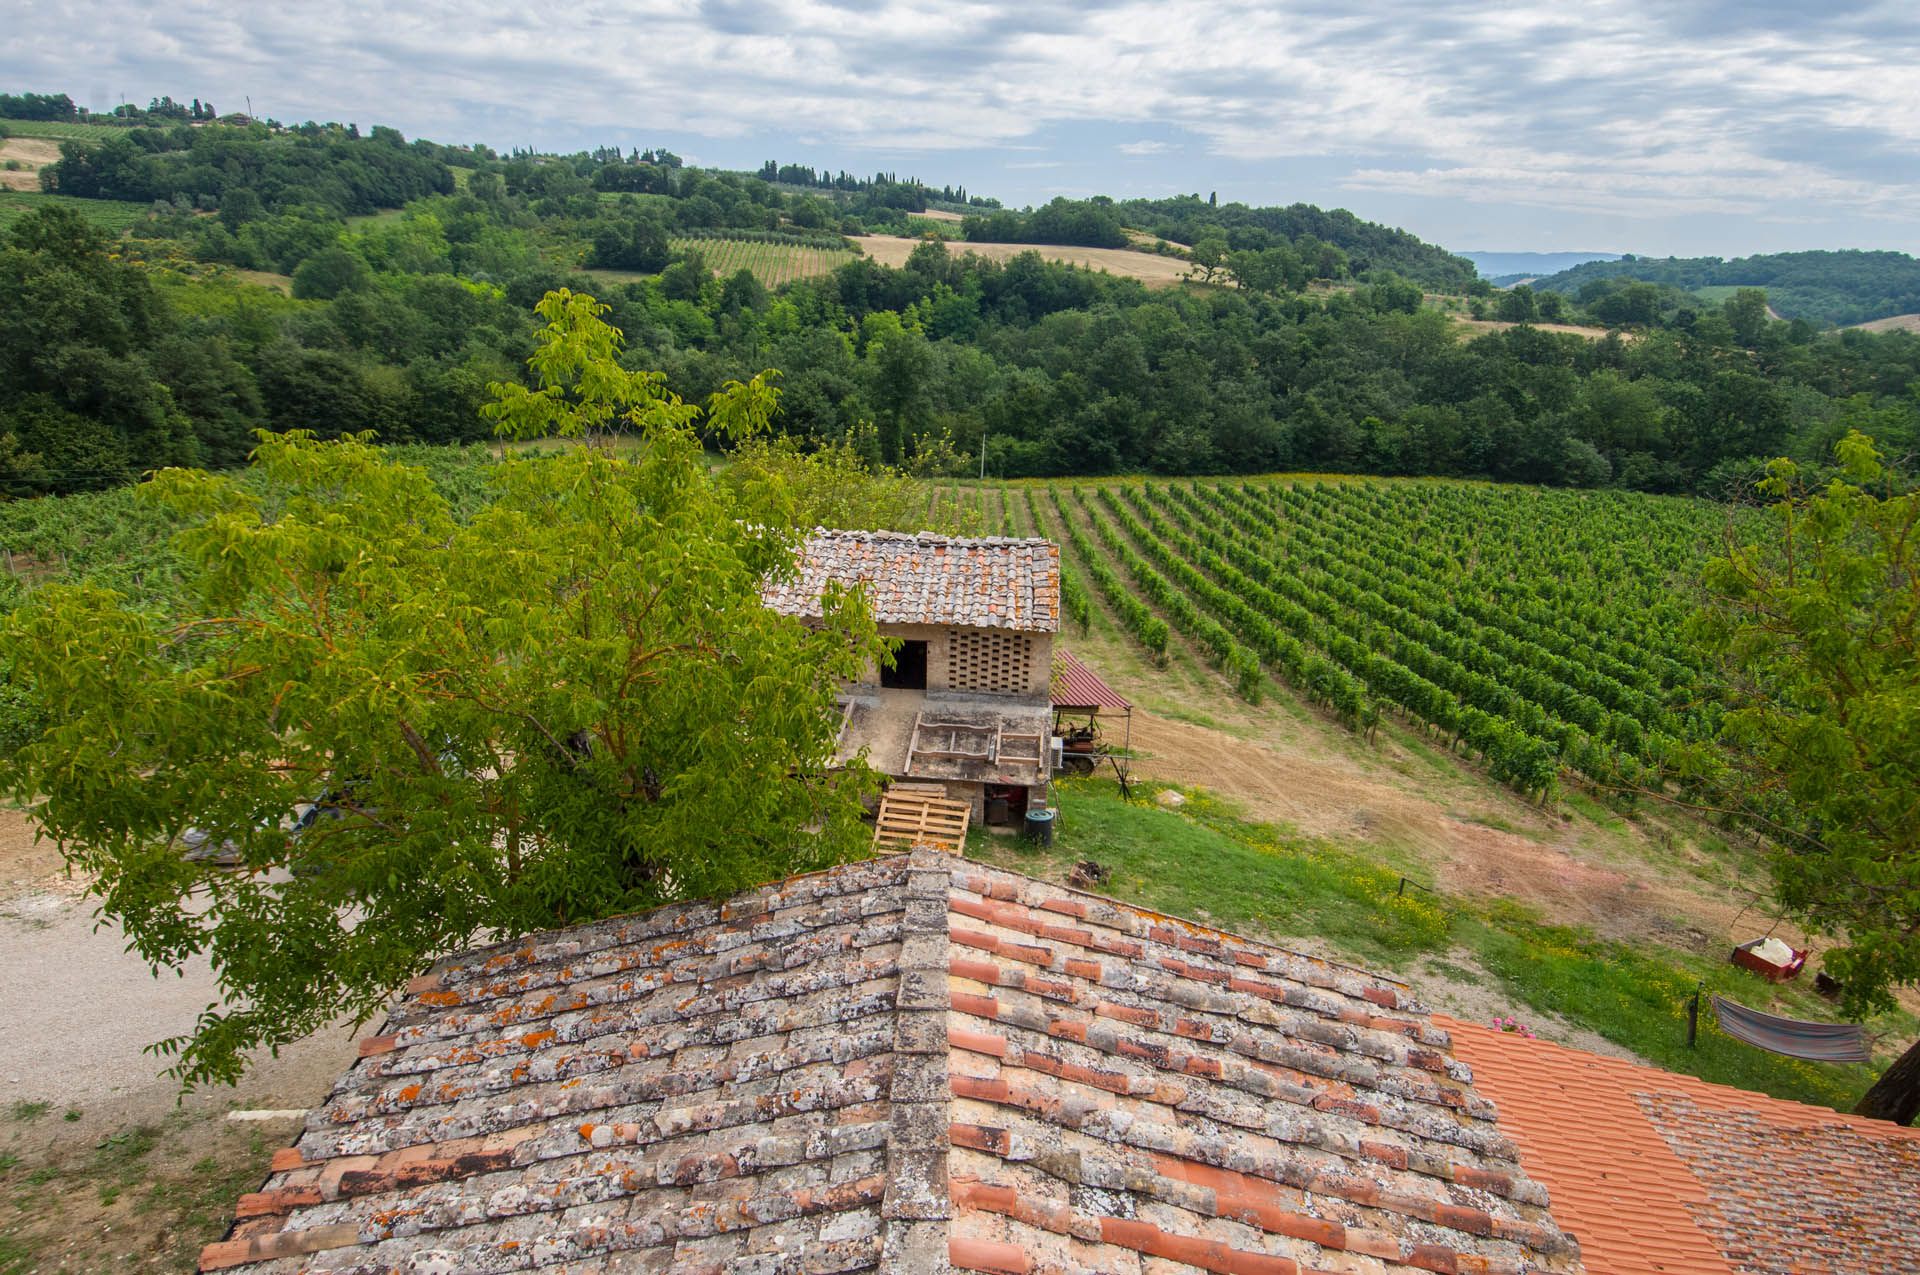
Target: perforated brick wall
<point x="987" y="661"/>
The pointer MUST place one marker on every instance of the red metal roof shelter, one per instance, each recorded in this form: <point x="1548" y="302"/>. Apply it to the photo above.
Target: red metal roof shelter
<point x="1075" y="686"/>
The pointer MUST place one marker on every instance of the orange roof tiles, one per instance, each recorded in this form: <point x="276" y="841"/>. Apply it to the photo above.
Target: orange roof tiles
<point x="916" y="1064"/>
<point x="1662" y="1174"/>
<point x="993" y="583"/>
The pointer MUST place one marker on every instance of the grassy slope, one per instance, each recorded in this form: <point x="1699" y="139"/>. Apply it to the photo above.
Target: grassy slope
<point x="1207" y="863"/>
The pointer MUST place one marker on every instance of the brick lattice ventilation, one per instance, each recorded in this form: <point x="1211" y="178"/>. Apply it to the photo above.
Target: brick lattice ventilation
<point x="992" y="662"/>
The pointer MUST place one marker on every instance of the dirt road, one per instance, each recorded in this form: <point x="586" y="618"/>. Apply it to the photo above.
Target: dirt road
<point x="1475" y="841"/>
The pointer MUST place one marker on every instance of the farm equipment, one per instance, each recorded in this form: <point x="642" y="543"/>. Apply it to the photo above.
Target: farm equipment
<point x="1081" y="747"/>
<point x="1079" y="700"/>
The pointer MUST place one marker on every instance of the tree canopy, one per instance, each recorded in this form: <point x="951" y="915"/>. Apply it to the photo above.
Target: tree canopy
<point x="568" y="705"/>
<point x="1818" y="625"/>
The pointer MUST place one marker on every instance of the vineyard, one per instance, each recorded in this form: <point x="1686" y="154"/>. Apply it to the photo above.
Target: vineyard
<point x="1536" y="630"/>
<point x="772" y="263"/>
<point x="110" y="215"/>
<point x="57" y="130"/>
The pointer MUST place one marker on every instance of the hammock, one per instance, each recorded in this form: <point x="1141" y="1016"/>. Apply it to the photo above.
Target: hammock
<point x="1815" y="1042"/>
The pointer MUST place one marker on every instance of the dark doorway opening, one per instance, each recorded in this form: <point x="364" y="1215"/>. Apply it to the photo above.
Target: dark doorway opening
<point x="1006" y="805"/>
<point x="909" y="671"/>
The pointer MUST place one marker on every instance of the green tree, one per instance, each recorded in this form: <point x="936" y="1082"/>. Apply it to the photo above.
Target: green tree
<point x="1746" y="313"/>
<point x="1517" y="305"/>
<point x="1818" y="625"/>
<point x="328" y="273"/>
<point x="1209" y="257"/>
<point x="570" y="706"/>
<point x="639" y="243"/>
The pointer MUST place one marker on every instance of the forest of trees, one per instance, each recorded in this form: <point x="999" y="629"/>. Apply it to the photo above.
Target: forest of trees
<point x="1318" y="351"/>
<point x="1837" y="288"/>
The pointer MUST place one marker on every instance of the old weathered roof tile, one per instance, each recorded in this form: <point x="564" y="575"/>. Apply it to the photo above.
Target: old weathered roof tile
<point x="910" y="1064"/>
<point x="994" y="582"/>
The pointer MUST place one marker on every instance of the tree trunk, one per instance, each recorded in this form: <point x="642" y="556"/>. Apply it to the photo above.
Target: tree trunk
<point x="1896" y="1095"/>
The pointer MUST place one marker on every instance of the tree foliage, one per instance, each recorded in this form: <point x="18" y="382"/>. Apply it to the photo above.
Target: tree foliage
<point x="569" y="705"/>
<point x="1817" y="624"/>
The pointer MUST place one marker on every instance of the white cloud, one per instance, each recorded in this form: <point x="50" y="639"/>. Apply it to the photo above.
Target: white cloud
<point x="1632" y="108"/>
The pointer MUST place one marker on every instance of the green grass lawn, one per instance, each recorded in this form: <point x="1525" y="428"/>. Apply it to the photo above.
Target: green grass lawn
<point x="1206" y="863"/>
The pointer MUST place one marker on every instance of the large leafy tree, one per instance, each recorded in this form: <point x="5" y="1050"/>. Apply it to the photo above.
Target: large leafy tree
<point x="1818" y="623"/>
<point x="570" y="706"/>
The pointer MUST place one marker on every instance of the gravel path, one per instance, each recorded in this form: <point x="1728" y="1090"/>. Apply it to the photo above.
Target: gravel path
<point x="81" y="1010"/>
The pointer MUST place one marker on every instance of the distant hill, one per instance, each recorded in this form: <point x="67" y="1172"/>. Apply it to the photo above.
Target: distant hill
<point x="1499" y="266"/>
<point x="1839" y="288"/>
<point x="1368" y="245"/>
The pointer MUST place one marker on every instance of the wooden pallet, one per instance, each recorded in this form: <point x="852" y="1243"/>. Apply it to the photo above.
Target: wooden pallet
<point x="910" y="816"/>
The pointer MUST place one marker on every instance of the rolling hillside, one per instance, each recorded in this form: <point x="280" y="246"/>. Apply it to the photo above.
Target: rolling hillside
<point x="1838" y="288"/>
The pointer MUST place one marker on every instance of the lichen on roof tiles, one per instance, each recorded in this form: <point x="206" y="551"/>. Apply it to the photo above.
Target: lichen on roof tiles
<point x="992" y="582"/>
<point x="911" y="1064"/>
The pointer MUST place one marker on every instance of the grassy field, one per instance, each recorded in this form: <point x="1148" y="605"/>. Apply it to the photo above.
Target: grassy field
<point x="1893" y="323"/>
<point x="1207" y="862"/>
<point x="1718" y="292"/>
<point x="111" y="215"/>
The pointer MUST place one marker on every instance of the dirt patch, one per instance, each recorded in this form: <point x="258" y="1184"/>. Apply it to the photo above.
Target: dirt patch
<point x="267" y="279"/>
<point x="32" y="154"/>
<point x="1154" y="271"/>
<point x="143" y="1182"/>
<point x="1477" y="327"/>
<point x="26" y="862"/>
<point x="936" y="214"/>
<point x="105" y="1165"/>
<point x="1473" y="844"/>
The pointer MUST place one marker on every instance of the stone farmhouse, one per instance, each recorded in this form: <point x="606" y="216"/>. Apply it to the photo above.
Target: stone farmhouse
<point x="965" y="704"/>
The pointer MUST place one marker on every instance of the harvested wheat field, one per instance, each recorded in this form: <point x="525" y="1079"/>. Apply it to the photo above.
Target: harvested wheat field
<point x="1154" y="271"/>
<point x="1892" y="323"/>
<point x="32" y="154"/>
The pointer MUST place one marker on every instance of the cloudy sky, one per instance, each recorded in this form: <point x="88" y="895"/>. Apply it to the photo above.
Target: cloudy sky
<point x="1652" y="126"/>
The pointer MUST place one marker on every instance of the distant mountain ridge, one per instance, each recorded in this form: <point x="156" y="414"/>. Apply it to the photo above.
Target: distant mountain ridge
<point x="1840" y="288"/>
<point x="1496" y="266"/>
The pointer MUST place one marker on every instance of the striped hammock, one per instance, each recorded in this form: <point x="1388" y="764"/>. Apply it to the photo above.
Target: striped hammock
<point x="1815" y="1042"/>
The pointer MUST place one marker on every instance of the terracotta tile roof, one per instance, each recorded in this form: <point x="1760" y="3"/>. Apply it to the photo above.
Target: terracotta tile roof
<point x="1662" y="1174"/>
<point x="914" y="1064"/>
<point x="992" y="583"/>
